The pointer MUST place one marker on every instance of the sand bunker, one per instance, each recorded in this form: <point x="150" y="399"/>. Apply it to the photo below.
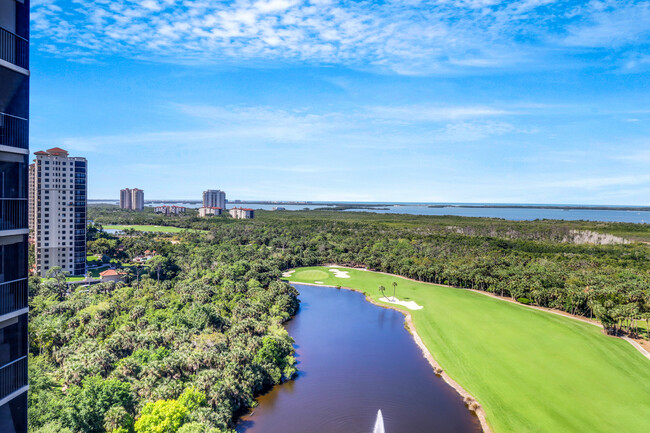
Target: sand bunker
<point x="288" y="273"/>
<point x="339" y="273"/>
<point x="411" y="305"/>
<point x="318" y="282"/>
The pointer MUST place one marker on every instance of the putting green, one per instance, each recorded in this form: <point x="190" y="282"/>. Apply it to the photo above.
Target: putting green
<point x="311" y="276"/>
<point x="532" y="371"/>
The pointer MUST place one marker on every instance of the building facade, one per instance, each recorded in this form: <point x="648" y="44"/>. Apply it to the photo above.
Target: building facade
<point x="132" y="199"/>
<point x="137" y="199"/>
<point x="169" y="210"/>
<point x="242" y="213"/>
<point x="60" y="212"/>
<point x="31" y="200"/>
<point x="209" y="211"/>
<point x="125" y="198"/>
<point x="214" y="198"/>
<point x="14" y="228"/>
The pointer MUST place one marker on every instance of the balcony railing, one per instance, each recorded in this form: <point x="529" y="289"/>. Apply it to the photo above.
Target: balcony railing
<point x="13" y="296"/>
<point x="13" y="214"/>
<point x="13" y="376"/>
<point x="14" y="131"/>
<point x="14" y="49"/>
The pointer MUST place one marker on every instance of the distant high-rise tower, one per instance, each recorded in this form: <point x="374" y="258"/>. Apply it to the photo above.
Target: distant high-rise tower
<point x="137" y="199"/>
<point x="14" y="228"/>
<point x="214" y="198"/>
<point x="132" y="199"/>
<point x="60" y="212"/>
<point x="125" y="198"/>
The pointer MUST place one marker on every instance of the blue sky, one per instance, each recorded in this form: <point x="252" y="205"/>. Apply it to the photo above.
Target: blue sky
<point x="532" y="101"/>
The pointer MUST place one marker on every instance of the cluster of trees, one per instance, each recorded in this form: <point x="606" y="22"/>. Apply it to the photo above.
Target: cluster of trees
<point x="547" y="263"/>
<point x="189" y="348"/>
<point x="181" y="354"/>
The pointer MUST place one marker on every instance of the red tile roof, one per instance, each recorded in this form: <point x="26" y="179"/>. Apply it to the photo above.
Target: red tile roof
<point x="110" y="273"/>
<point x="57" y="150"/>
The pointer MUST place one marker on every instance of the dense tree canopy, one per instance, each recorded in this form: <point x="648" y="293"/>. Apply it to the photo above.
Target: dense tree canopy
<point x="204" y="318"/>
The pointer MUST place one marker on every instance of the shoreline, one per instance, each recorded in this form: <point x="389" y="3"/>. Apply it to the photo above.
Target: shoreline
<point x="638" y="346"/>
<point x="437" y="369"/>
<point x="410" y="326"/>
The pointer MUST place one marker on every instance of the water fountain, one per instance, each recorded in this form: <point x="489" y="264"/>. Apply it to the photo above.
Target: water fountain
<point x="379" y="423"/>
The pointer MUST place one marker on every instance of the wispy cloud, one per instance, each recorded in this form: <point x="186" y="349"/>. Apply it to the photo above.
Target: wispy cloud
<point x="412" y="37"/>
<point x="374" y="127"/>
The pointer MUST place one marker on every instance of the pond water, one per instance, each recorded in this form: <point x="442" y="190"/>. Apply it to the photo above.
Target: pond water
<point x="354" y="359"/>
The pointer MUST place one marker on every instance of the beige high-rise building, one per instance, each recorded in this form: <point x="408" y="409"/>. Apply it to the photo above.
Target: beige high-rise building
<point x="214" y="198"/>
<point x="137" y="199"/>
<point x="132" y="199"/>
<point x="125" y="198"/>
<point x="60" y="211"/>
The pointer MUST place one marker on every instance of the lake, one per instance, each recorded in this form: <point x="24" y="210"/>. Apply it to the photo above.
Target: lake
<point x="355" y="358"/>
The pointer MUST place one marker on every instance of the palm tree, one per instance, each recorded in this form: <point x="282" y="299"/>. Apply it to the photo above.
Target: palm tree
<point x="394" y="287"/>
<point x="382" y="289"/>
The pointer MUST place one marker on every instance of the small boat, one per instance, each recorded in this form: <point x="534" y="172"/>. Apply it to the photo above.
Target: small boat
<point x="379" y="423"/>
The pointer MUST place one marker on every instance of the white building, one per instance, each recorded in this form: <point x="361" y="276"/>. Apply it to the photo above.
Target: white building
<point x="214" y="198"/>
<point x="168" y="210"/>
<point x="60" y="211"/>
<point x="242" y="213"/>
<point x="31" y="200"/>
<point x="209" y="211"/>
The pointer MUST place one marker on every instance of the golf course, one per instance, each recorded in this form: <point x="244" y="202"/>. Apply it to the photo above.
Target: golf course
<point x="530" y="370"/>
<point x="147" y="228"/>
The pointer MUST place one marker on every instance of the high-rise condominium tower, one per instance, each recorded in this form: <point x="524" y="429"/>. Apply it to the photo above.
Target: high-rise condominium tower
<point x="132" y="199"/>
<point x="60" y="212"/>
<point x="137" y="199"/>
<point x="125" y="198"/>
<point x="214" y="198"/>
<point x="14" y="163"/>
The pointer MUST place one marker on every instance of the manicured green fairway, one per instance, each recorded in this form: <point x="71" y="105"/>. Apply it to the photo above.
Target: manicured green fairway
<point x="157" y="229"/>
<point x="532" y="371"/>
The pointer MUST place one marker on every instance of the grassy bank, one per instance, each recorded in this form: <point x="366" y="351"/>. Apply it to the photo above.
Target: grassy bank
<point x="147" y="228"/>
<point x="530" y="370"/>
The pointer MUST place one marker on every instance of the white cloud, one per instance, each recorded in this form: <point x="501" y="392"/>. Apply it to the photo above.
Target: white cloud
<point x="408" y="37"/>
<point x="376" y="127"/>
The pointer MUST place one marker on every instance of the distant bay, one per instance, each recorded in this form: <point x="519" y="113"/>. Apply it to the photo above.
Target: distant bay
<point x="515" y="212"/>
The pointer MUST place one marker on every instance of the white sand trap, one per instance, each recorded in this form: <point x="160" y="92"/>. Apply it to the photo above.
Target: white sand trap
<point x="288" y="273"/>
<point x="339" y="273"/>
<point x="318" y="282"/>
<point x="411" y="305"/>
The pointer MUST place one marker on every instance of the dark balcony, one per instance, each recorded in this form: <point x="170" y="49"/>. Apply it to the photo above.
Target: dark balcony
<point x="13" y="214"/>
<point x="14" y="49"/>
<point x="14" y="131"/>
<point x="13" y="376"/>
<point x="13" y="296"/>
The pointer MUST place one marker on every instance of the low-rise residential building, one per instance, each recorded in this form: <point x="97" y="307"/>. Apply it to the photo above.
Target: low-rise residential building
<point x="209" y="211"/>
<point x="143" y="258"/>
<point x="112" y="275"/>
<point x="169" y="210"/>
<point x="242" y="213"/>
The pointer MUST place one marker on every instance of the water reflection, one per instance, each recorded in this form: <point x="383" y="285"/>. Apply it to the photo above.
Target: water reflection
<point x="355" y="358"/>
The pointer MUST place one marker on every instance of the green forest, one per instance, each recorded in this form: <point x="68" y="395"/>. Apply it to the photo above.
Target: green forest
<point x="192" y="336"/>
